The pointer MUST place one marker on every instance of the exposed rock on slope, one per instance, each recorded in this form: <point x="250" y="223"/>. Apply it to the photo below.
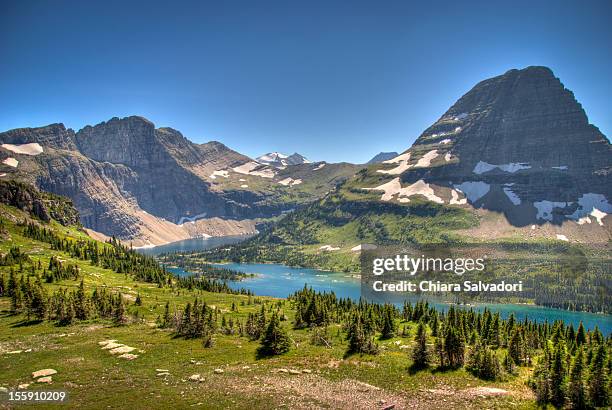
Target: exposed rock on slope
<point x="41" y="205"/>
<point x="519" y="144"/>
<point x="147" y="185"/>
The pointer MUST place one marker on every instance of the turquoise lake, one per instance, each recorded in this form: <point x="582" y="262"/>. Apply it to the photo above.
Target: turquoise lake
<point x="280" y="281"/>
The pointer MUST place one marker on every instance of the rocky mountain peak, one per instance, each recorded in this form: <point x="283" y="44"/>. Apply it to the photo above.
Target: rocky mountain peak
<point x="53" y="135"/>
<point x="518" y="143"/>
<point x="280" y="160"/>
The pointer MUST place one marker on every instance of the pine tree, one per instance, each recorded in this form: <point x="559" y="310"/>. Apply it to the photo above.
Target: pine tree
<point x="166" y="321"/>
<point x="420" y="354"/>
<point x="515" y="347"/>
<point x="119" y="317"/>
<point x="80" y="303"/>
<point x="388" y="328"/>
<point x="276" y="340"/>
<point x="39" y="301"/>
<point x="509" y="365"/>
<point x="454" y="347"/>
<point x="598" y="395"/>
<point x="580" y="335"/>
<point x="439" y="346"/>
<point x="557" y="376"/>
<point x="575" y="390"/>
<point x="360" y="336"/>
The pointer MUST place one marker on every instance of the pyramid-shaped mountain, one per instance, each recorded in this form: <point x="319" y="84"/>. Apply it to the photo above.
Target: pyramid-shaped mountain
<point x="518" y="143"/>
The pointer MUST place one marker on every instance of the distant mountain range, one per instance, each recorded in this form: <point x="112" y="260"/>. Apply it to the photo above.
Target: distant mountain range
<point x="151" y="186"/>
<point x="278" y="160"/>
<point x="382" y="156"/>
<point x="515" y="157"/>
<point x="518" y="145"/>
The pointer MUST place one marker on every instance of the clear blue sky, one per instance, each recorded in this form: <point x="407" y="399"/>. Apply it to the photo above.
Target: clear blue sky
<point x="332" y="80"/>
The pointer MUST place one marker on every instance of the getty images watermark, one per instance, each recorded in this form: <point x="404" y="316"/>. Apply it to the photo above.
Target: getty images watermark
<point x="461" y="272"/>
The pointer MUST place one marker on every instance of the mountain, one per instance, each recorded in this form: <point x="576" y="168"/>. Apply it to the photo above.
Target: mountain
<point x="519" y="144"/>
<point x="514" y="158"/>
<point x="278" y="160"/>
<point x="382" y="156"/>
<point x="152" y="186"/>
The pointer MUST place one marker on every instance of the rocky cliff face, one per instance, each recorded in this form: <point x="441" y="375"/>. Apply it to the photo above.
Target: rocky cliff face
<point x="519" y="144"/>
<point x="41" y="205"/>
<point x="136" y="182"/>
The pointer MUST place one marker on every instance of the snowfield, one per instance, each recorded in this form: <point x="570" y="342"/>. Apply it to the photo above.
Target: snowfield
<point x="290" y="181"/>
<point x="394" y="187"/>
<point x="512" y="167"/>
<point x="514" y="198"/>
<point x="455" y="199"/>
<point x="473" y="190"/>
<point x="256" y="169"/>
<point x="545" y="208"/>
<point x="402" y="157"/>
<point x="595" y="205"/>
<point x="216" y="174"/>
<point x="33" y="148"/>
<point x="11" y="162"/>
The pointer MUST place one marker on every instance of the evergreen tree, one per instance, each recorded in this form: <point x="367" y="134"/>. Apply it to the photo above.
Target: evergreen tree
<point x="388" y="328"/>
<point x="275" y="340"/>
<point x="454" y="347"/>
<point x="580" y="335"/>
<point x="557" y="376"/>
<point x="360" y="336"/>
<point x="420" y="354"/>
<point x="119" y="317"/>
<point x="575" y="390"/>
<point x="598" y="394"/>
<point x="167" y="320"/>
<point x="515" y="347"/>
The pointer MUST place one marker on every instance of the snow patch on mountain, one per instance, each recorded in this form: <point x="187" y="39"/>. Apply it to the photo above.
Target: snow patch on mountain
<point x="394" y="187"/>
<point x="545" y="208"/>
<point x="290" y="181"/>
<point x="33" y="148"/>
<point x="11" y="162"/>
<point x="222" y="173"/>
<point x="402" y="157"/>
<point x="562" y="238"/>
<point x="514" y="198"/>
<point x="512" y="167"/>
<point x="318" y="167"/>
<point x="595" y="205"/>
<point x="256" y="169"/>
<point x="329" y="248"/>
<point x="455" y="198"/>
<point x="190" y="219"/>
<point x="474" y="190"/>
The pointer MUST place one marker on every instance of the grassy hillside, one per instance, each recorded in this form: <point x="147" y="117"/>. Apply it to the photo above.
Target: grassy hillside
<point x="231" y="372"/>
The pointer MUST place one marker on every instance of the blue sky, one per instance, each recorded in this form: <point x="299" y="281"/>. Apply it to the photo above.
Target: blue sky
<point x="335" y="81"/>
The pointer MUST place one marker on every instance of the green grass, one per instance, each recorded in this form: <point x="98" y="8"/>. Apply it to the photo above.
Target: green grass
<point x="96" y="379"/>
